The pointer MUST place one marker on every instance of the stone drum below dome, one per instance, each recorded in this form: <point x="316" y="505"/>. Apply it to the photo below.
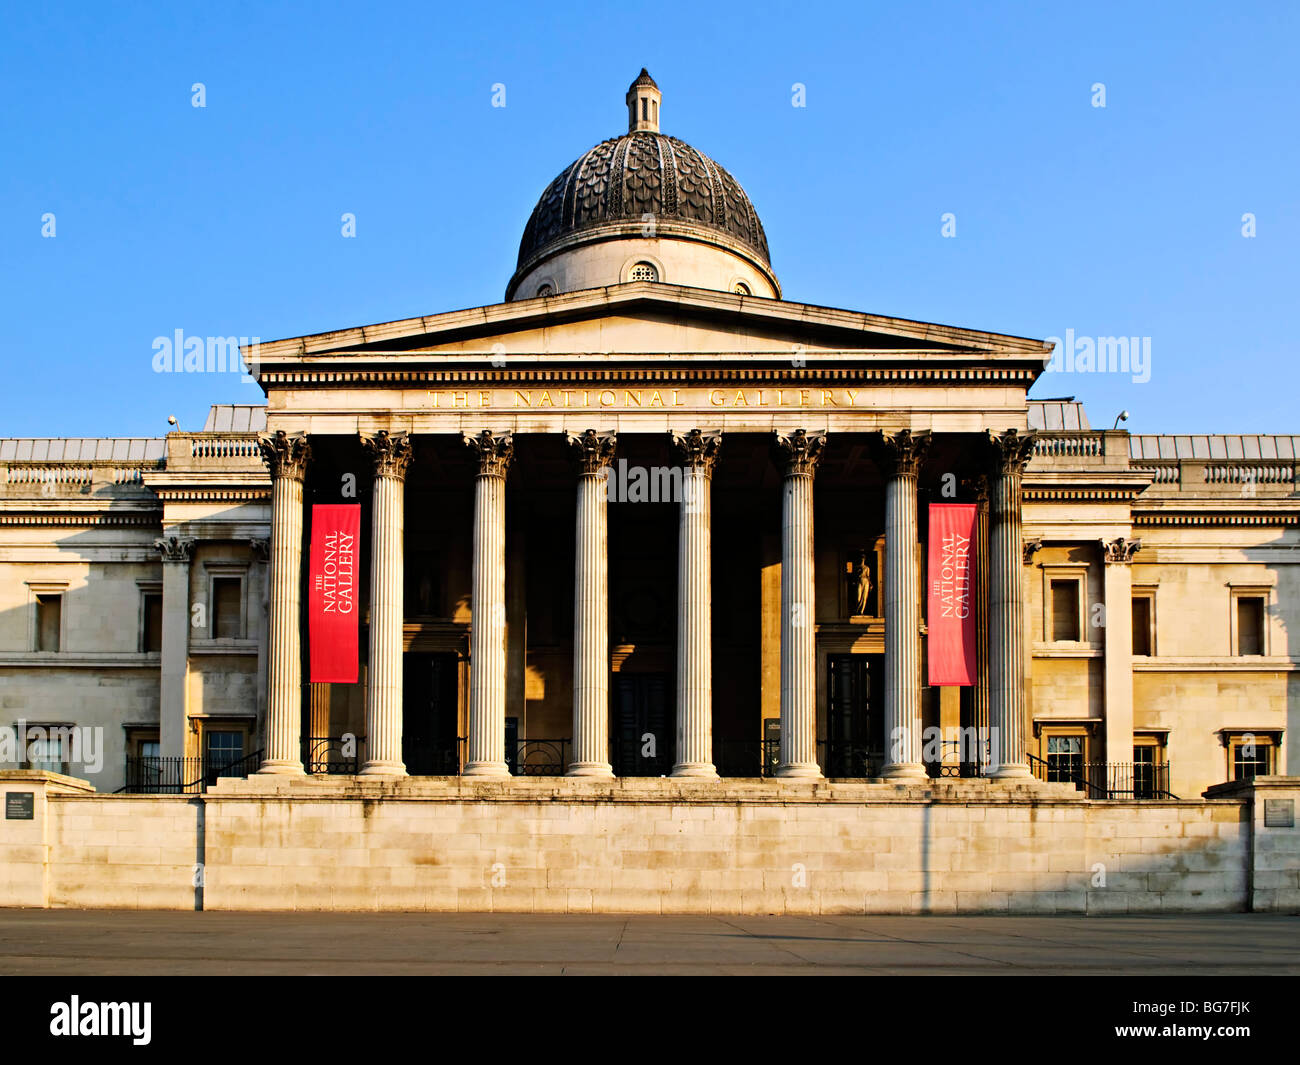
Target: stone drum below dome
<point x="643" y="206"/>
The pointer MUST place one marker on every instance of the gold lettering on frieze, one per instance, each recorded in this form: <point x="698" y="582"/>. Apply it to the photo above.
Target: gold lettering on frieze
<point x="632" y="399"/>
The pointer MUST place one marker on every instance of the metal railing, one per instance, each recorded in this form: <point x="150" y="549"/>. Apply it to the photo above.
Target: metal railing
<point x="1108" y="780"/>
<point x="539" y="758"/>
<point x="183" y="776"/>
<point x="330" y="755"/>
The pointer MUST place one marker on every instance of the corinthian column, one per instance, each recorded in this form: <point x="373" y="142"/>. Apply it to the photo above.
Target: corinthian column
<point x="391" y="453"/>
<point x="797" y="454"/>
<point x="591" y="609"/>
<point x="487" y="636"/>
<point x="901" y="455"/>
<point x="1010" y="452"/>
<point x="697" y="452"/>
<point x="980" y="694"/>
<point x="287" y="457"/>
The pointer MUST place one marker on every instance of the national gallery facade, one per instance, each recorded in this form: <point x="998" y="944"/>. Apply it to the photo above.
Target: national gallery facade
<point x="647" y="518"/>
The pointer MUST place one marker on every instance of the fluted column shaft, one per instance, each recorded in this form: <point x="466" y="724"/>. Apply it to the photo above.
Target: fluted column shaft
<point x="391" y="454"/>
<point x="980" y="693"/>
<point x="487" y="639"/>
<point x="697" y="451"/>
<point x="591" y="609"/>
<point x="902" y="454"/>
<point x="798" y="454"/>
<point x="1006" y="607"/>
<point x="287" y="456"/>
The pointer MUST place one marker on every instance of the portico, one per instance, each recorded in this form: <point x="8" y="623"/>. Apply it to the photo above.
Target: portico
<point x="535" y="457"/>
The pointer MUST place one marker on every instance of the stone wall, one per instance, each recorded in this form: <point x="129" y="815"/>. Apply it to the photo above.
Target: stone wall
<point x="645" y="846"/>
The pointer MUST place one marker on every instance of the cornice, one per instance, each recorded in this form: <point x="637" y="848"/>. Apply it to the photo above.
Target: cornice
<point x="542" y="375"/>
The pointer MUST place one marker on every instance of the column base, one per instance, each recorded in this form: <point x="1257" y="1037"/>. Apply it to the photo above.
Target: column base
<point x="495" y="770"/>
<point x="1011" y="771"/>
<point x="904" y="771"/>
<point x="594" y="770"/>
<point x="695" y="771"/>
<point x="383" y="769"/>
<point x="283" y="767"/>
<point x="799" y="771"/>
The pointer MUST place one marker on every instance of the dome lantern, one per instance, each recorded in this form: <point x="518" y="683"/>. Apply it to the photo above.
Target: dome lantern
<point x="643" y="98"/>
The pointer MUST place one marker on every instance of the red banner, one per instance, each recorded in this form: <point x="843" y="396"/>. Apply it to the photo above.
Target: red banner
<point x="332" y="598"/>
<point x="951" y="612"/>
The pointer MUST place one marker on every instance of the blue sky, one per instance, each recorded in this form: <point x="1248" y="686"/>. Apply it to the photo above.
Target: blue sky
<point x="225" y="220"/>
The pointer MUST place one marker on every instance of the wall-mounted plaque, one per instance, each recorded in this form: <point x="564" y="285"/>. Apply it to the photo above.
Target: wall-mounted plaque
<point x="20" y="805"/>
<point x="1279" y="813"/>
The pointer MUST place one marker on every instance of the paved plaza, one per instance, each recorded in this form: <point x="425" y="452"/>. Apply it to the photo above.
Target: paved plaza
<point x="63" y="942"/>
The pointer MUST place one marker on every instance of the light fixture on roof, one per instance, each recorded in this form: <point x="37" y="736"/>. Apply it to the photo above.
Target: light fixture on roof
<point x="171" y="419"/>
<point x="1121" y="417"/>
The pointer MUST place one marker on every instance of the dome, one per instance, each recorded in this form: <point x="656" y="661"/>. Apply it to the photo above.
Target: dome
<point x="643" y="184"/>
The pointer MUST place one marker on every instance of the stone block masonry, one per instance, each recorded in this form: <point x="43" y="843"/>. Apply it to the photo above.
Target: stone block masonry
<point x="648" y="846"/>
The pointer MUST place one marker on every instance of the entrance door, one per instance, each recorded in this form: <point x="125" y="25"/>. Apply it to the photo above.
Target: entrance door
<point x="644" y="732"/>
<point x="429" y="696"/>
<point x="855" y="720"/>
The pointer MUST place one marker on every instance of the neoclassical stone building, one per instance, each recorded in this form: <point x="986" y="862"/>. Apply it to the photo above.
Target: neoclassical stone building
<point x="647" y="518"/>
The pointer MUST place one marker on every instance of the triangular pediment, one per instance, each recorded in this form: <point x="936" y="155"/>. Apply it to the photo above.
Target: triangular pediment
<point x="651" y="323"/>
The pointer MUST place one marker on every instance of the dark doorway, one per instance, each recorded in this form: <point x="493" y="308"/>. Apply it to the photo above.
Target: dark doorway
<point x="644" y="730"/>
<point x="855" y="741"/>
<point x="429" y="743"/>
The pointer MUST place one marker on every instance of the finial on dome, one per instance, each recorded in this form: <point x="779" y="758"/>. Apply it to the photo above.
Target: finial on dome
<point x="643" y="98"/>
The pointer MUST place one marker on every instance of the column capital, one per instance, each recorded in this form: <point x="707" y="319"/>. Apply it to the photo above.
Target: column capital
<point x="1120" y="550"/>
<point x="285" y="454"/>
<point x="175" y="548"/>
<point x="595" y="450"/>
<point x="1009" y="450"/>
<point x="697" y="449"/>
<point x="798" y="452"/>
<point x="901" y="454"/>
<point x="391" y="452"/>
<point x="494" y="451"/>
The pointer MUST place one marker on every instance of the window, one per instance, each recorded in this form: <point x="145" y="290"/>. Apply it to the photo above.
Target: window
<point x="1250" y="625"/>
<point x="227" y="596"/>
<point x="1065" y="610"/>
<point x="49" y="621"/>
<point x="151" y="608"/>
<point x="741" y="289"/>
<point x="47" y="748"/>
<point x="546" y="290"/>
<point x="1150" y="772"/>
<point x="1252" y="756"/>
<point x="1144" y="641"/>
<point x="643" y="272"/>
<point x="1065" y="759"/>
<point x="225" y="747"/>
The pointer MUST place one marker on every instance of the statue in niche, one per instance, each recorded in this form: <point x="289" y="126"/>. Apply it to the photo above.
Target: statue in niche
<point x="859" y="578"/>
